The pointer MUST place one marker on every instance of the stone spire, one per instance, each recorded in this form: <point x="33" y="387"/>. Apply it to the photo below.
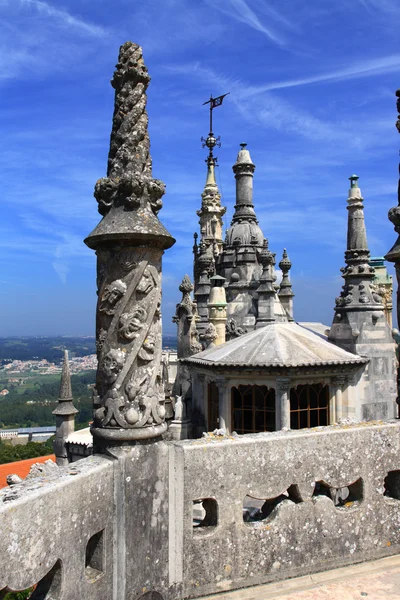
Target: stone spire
<point x="211" y="211"/>
<point x="239" y="262"/>
<point x="266" y="289"/>
<point x="129" y="243"/>
<point x="285" y="289"/>
<point x="65" y="414"/>
<point x="359" y="324"/>
<point x="358" y="292"/>
<point x="244" y="171"/>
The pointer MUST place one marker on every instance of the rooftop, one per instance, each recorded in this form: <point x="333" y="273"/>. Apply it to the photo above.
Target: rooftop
<point x="277" y="345"/>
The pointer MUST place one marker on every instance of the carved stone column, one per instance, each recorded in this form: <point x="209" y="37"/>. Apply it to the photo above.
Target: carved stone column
<point x="129" y="243"/>
<point x="336" y="402"/>
<point x="282" y="403"/>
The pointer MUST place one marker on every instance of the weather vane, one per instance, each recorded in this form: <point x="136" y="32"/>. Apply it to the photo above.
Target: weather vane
<point x="211" y="140"/>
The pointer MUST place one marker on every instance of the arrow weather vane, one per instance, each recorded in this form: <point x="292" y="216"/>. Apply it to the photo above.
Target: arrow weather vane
<point x="211" y="140"/>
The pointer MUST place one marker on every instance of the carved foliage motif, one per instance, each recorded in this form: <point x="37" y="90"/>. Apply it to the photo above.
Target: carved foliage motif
<point x="129" y="380"/>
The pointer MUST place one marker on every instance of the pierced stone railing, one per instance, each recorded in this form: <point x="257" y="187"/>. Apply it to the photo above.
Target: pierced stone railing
<point x="165" y="521"/>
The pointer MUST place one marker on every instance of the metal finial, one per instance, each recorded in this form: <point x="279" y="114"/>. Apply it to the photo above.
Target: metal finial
<point x="354" y="180"/>
<point x="211" y="141"/>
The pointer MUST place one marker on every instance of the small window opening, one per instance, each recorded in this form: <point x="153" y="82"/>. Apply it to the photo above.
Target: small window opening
<point x="258" y="509"/>
<point x="95" y="556"/>
<point x="345" y="497"/>
<point x="392" y="485"/>
<point x="205" y="513"/>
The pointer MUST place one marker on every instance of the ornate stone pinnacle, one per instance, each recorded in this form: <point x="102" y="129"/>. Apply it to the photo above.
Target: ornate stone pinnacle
<point x="65" y="405"/>
<point x="266" y="256"/>
<point x="358" y="292"/>
<point x="186" y="286"/>
<point x="129" y="243"/>
<point x="129" y="198"/>
<point x="285" y="265"/>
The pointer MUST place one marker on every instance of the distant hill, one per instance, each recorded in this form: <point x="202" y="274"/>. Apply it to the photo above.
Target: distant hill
<point x="51" y="348"/>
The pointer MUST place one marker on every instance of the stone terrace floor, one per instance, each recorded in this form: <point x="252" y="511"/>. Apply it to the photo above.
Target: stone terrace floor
<point x="375" y="580"/>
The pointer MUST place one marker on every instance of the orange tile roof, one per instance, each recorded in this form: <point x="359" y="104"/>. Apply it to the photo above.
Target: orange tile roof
<point x="21" y="467"/>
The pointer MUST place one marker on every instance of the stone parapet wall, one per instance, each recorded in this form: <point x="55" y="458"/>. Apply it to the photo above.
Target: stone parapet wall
<point x="305" y="535"/>
<point x="169" y="520"/>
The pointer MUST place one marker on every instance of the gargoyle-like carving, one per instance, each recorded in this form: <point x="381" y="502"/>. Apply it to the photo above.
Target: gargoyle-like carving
<point x="111" y="296"/>
<point x="233" y="330"/>
<point x="130" y="324"/>
<point x="112" y="364"/>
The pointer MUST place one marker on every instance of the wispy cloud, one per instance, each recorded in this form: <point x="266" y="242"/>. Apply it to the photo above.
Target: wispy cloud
<point x="366" y="68"/>
<point x="241" y="11"/>
<point x="384" y="6"/>
<point x="62" y="16"/>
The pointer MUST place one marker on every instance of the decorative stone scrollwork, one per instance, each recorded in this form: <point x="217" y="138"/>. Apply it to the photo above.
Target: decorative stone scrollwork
<point x="129" y="242"/>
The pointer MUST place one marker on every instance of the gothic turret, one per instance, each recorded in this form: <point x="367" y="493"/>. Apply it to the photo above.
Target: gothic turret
<point x="240" y="263"/>
<point x="359" y="324"/>
<point x="65" y="414"/>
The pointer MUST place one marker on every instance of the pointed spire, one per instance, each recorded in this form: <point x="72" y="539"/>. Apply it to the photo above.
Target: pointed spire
<point x="358" y="290"/>
<point x="65" y="415"/>
<point x="65" y="401"/>
<point x="285" y="289"/>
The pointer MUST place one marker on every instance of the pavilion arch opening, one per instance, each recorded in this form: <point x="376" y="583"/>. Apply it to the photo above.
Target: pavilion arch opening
<point x="309" y="406"/>
<point x="253" y="409"/>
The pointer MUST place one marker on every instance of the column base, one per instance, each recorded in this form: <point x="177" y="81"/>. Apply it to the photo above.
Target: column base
<point x="180" y="430"/>
<point x="112" y="435"/>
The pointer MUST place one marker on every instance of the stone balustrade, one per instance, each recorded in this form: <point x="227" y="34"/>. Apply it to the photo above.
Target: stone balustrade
<point x="172" y="520"/>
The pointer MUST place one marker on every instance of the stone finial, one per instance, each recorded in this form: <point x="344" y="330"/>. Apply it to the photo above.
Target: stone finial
<point x="129" y="243"/>
<point x="65" y="414"/>
<point x="129" y="197"/>
<point x="285" y="289"/>
<point x="186" y="317"/>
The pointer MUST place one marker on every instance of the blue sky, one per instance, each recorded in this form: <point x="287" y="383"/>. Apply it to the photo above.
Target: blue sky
<point x="311" y="92"/>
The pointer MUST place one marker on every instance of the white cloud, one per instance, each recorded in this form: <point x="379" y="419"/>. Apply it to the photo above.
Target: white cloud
<point x="366" y="68"/>
<point x="63" y="17"/>
<point x="241" y="11"/>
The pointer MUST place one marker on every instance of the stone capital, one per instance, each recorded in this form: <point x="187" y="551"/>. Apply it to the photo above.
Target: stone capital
<point x="283" y="384"/>
<point x="339" y="381"/>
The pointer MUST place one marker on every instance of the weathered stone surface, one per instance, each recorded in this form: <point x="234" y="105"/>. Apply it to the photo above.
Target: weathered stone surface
<point x="46" y="522"/>
<point x="129" y="242"/>
<point x="308" y="535"/>
<point x="148" y="542"/>
<point x="359" y="324"/>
